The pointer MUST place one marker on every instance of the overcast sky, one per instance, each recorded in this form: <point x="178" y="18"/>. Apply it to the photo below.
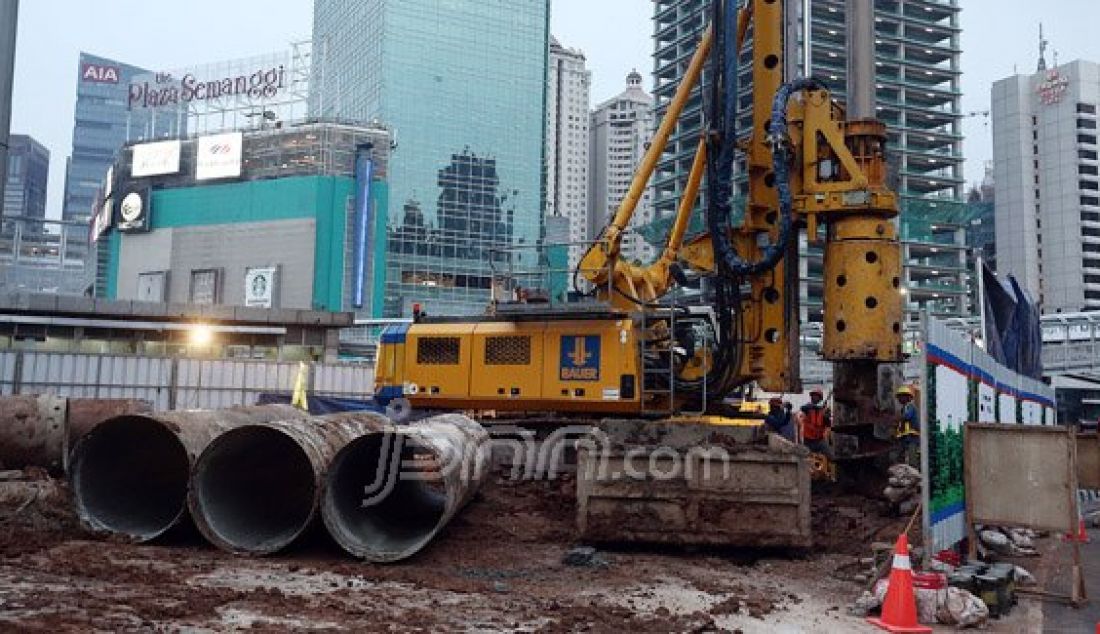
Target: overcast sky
<point x="999" y="36"/>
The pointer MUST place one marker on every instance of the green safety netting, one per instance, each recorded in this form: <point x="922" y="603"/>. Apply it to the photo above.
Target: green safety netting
<point x="927" y="219"/>
<point x="656" y="232"/>
<point x="922" y="220"/>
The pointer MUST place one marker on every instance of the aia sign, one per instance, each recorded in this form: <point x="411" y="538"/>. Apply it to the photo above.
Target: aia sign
<point x="98" y="74"/>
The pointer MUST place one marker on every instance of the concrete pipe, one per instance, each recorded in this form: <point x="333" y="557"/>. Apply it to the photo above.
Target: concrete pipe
<point x="40" y="430"/>
<point x="390" y="492"/>
<point x="256" y="488"/>
<point x="130" y="474"/>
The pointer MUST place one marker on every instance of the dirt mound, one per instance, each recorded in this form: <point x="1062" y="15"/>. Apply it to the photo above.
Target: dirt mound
<point x="35" y="511"/>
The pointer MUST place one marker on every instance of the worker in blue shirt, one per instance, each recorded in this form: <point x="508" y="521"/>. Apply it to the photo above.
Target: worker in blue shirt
<point x="908" y="431"/>
<point x="779" y="420"/>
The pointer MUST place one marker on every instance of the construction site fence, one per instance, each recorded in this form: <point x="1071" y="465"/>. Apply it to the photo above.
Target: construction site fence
<point x="170" y="383"/>
<point x="962" y="384"/>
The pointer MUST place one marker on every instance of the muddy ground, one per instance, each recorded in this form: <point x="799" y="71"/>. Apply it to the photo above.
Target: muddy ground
<point x="497" y="567"/>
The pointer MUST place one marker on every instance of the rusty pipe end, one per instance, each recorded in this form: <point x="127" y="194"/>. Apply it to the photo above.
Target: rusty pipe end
<point x="370" y="509"/>
<point x="129" y="476"/>
<point x="254" y="490"/>
<point x="389" y="493"/>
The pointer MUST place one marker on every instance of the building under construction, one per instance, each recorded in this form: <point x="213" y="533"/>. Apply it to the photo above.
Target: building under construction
<point x="918" y="96"/>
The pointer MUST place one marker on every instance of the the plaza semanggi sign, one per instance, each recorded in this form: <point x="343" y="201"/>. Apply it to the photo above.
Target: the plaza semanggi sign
<point x="166" y="90"/>
<point x="1053" y="88"/>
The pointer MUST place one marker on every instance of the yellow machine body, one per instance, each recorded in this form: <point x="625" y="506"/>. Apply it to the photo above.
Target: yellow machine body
<point x="589" y="365"/>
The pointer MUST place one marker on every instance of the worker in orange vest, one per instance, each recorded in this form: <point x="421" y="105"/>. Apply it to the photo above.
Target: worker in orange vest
<point x="817" y="420"/>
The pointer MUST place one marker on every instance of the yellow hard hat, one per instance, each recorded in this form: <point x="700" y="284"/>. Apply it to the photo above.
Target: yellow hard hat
<point x="904" y="390"/>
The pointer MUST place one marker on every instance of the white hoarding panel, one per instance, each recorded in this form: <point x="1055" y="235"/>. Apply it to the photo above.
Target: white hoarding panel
<point x="1008" y="409"/>
<point x="219" y="156"/>
<point x="987" y="403"/>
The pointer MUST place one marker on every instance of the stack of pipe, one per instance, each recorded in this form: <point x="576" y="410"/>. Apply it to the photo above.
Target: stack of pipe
<point x="255" y="479"/>
<point x="130" y="474"/>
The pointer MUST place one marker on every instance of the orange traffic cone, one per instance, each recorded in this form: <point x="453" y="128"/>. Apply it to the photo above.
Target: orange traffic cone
<point x="899" y="611"/>
<point x="1082" y="535"/>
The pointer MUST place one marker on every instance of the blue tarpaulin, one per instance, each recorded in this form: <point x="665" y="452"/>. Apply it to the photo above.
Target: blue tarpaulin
<point x="319" y="405"/>
<point x="1012" y="326"/>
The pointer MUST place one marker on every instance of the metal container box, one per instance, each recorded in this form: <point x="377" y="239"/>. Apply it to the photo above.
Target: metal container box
<point x="691" y="485"/>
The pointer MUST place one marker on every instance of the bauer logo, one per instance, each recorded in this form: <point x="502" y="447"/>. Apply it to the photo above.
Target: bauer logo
<point x="580" y="358"/>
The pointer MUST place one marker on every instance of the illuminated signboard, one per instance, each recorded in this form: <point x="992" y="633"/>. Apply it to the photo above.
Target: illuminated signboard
<point x="219" y="156"/>
<point x="154" y="159"/>
<point x="259" y="286"/>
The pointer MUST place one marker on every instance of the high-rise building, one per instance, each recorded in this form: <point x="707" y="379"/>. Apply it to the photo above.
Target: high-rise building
<point x="103" y="122"/>
<point x="27" y="178"/>
<point x="462" y="83"/>
<point x="918" y="97"/>
<point x="981" y="234"/>
<point x="1048" y="188"/>
<point x="621" y="129"/>
<point x="568" y="98"/>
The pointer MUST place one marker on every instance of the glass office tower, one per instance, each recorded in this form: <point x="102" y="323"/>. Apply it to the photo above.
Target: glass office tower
<point x="461" y="83"/>
<point x="103" y="122"/>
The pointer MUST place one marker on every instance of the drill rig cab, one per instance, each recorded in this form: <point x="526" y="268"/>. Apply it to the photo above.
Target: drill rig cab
<point x="631" y="353"/>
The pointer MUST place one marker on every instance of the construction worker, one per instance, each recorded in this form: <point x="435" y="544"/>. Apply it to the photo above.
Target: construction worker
<point x="779" y="420"/>
<point x="908" y="431"/>
<point x="816" y="422"/>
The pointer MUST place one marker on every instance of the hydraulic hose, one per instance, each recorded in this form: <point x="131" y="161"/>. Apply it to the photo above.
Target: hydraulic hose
<point x="723" y="151"/>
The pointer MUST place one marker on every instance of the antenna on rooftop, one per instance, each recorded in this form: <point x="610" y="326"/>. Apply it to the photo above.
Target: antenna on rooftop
<point x="1043" y="44"/>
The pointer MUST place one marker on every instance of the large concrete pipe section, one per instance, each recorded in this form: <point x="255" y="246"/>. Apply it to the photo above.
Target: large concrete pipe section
<point x="390" y="492"/>
<point x="256" y="488"/>
<point x="40" y="430"/>
<point x="130" y="474"/>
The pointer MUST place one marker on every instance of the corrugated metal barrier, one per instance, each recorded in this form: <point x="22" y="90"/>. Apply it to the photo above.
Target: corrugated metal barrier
<point x="171" y="383"/>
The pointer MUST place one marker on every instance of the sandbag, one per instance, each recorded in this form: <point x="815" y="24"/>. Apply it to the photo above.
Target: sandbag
<point x="955" y="606"/>
<point x="949" y="606"/>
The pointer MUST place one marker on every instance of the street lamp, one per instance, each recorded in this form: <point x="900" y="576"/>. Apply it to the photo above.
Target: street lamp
<point x="201" y="335"/>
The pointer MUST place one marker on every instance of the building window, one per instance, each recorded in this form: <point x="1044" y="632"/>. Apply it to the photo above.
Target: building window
<point x="1089" y="139"/>
<point x="1089" y="185"/>
<point x="153" y="287"/>
<point x="1086" y="108"/>
<point x="1088" y="155"/>
<point x="1088" y="216"/>
<point x="1093" y="201"/>
<point x="1088" y="170"/>
<point x="205" y="287"/>
<point x="1086" y="124"/>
